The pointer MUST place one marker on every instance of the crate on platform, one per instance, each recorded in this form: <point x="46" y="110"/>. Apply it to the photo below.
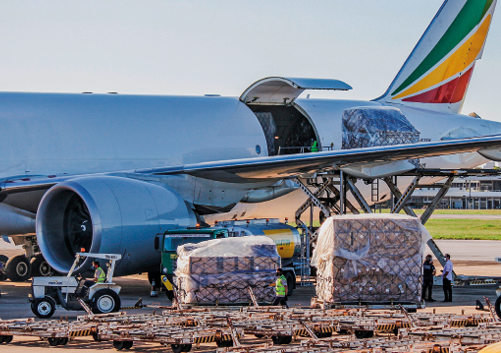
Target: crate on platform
<point x="222" y="270"/>
<point x="370" y="259"/>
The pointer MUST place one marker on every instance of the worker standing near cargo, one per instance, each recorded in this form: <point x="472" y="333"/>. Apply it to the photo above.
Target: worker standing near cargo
<point x="281" y="289"/>
<point x="447" y="278"/>
<point x="428" y="273"/>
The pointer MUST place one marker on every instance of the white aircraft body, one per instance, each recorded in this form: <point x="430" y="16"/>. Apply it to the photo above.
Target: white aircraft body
<point x="106" y="173"/>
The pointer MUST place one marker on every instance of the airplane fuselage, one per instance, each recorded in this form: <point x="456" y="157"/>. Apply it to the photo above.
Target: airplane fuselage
<point x="72" y="134"/>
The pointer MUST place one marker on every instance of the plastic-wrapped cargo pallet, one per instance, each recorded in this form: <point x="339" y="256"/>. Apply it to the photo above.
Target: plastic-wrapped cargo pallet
<point x="221" y="270"/>
<point x="370" y="258"/>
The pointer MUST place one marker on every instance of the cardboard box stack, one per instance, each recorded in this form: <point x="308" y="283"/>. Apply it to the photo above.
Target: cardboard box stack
<point x="372" y="258"/>
<point x="221" y="270"/>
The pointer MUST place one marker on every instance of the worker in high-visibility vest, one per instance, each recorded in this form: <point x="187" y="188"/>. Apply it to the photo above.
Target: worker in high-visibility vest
<point x="281" y="289"/>
<point x="99" y="275"/>
<point x="314" y="146"/>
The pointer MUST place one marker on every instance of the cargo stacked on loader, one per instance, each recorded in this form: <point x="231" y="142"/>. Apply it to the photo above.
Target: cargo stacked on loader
<point x="370" y="259"/>
<point x="222" y="270"/>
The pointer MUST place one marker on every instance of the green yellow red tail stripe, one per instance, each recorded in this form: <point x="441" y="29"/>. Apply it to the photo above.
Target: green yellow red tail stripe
<point x="439" y="69"/>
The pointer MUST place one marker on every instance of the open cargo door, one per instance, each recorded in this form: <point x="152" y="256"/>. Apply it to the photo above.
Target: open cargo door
<point x="283" y="90"/>
<point x="287" y="129"/>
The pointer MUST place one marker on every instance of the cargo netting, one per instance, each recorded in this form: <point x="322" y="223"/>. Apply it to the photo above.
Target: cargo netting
<point x="370" y="258"/>
<point x="222" y="270"/>
<point x="376" y="126"/>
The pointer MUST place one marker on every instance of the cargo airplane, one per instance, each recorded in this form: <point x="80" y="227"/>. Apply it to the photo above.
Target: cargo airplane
<point x="106" y="173"/>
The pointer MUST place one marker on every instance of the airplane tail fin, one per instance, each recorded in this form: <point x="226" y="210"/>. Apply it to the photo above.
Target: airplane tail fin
<point x="437" y="73"/>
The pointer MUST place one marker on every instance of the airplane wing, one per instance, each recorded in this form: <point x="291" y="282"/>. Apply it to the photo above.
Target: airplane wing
<point x="278" y="167"/>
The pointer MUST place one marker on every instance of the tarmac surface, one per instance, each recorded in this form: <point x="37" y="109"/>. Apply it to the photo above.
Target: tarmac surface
<point x="469" y="258"/>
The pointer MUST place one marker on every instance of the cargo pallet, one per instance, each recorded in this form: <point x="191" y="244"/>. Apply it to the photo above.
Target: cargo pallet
<point x="318" y="330"/>
<point x="392" y="305"/>
<point x="56" y="332"/>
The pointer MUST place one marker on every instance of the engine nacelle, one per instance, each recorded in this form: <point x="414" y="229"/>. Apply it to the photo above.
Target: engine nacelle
<point x="108" y="214"/>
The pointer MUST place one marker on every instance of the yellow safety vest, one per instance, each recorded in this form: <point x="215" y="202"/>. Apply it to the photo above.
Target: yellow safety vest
<point x="101" y="277"/>
<point x="279" y="287"/>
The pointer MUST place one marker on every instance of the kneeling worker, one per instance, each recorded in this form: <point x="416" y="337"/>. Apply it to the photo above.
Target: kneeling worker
<point x="281" y="289"/>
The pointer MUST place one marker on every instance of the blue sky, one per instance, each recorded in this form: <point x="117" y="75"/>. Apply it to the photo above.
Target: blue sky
<point x="220" y="46"/>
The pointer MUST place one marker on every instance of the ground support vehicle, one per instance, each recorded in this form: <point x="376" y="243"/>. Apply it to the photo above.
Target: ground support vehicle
<point x="497" y="304"/>
<point x="167" y="244"/>
<point x="70" y="293"/>
<point x="287" y="239"/>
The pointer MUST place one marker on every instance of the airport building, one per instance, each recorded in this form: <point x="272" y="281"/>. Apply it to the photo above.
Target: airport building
<point x="465" y="193"/>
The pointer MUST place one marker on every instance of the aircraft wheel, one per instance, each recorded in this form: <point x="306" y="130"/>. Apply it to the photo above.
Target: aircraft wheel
<point x="64" y="341"/>
<point x="43" y="307"/>
<point x="105" y="301"/>
<point x="18" y="268"/>
<point x="3" y="261"/>
<point x="40" y="267"/>
<point x="290" y="283"/>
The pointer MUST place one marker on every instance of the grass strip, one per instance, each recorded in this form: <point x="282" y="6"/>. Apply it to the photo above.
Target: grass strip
<point x="470" y="229"/>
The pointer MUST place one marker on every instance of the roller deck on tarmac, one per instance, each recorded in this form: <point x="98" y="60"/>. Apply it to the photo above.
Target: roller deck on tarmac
<point x="312" y="330"/>
<point x="56" y="332"/>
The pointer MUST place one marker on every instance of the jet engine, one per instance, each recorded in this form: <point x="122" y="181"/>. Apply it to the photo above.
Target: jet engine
<point x="107" y="214"/>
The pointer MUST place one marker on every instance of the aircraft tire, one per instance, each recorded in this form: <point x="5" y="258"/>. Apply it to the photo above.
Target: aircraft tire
<point x="18" y="268"/>
<point x="290" y="283"/>
<point x="40" y="267"/>
<point x="3" y="260"/>
<point x="105" y="301"/>
<point x="43" y="308"/>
